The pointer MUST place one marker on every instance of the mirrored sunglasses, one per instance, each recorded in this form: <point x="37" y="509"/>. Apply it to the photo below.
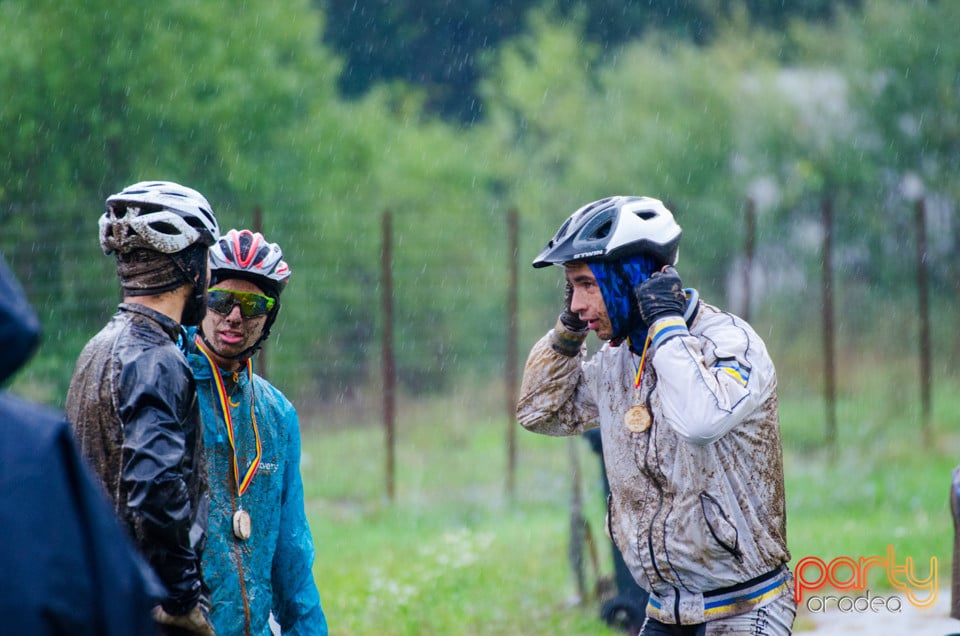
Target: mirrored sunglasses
<point x="252" y="305"/>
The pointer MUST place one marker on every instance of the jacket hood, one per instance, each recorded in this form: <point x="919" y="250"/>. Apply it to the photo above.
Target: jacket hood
<point x="19" y="326"/>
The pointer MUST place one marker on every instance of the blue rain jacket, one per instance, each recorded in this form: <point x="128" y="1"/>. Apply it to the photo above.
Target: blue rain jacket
<point x="272" y="570"/>
<point x="68" y="566"/>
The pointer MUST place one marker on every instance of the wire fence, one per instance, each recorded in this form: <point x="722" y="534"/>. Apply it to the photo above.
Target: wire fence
<point x="316" y="360"/>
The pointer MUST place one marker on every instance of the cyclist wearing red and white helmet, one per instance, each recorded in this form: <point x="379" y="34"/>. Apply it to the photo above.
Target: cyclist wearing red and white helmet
<point x="260" y="553"/>
<point x="132" y="403"/>
<point x="685" y="398"/>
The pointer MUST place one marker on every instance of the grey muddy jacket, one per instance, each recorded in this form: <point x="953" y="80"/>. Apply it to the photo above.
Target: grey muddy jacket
<point x="133" y="409"/>
<point x="697" y="500"/>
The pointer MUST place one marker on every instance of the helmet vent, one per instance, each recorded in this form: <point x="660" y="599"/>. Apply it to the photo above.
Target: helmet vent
<point x="603" y="230"/>
<point x="646" y="215"/>
<point x="120" y="211"/>
<point x="597" y="228"/>
<point x="164" y="228"/>
<point x="262" y="253"/>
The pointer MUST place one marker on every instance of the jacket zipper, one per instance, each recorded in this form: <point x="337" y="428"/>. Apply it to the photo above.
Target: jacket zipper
<point x="653" y="560"/>
<point x="646" y="468"/>
<point x="238" y="559"/>
<point x="237" y="553"/>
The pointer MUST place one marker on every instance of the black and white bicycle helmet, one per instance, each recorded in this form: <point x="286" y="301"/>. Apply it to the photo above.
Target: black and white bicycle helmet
<point x="158" y="215"/>
<point x="614" y="228"/>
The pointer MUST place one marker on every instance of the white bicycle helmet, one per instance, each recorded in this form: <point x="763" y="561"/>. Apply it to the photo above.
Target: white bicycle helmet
<point x="158" y="215"/>
<point x="613" y="228"/>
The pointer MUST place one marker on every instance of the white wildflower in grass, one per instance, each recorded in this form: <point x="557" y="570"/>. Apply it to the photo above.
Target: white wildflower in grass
<point x="450" y="551"/>
<point x="461" y="548"/>
<point x="386" y="592"/>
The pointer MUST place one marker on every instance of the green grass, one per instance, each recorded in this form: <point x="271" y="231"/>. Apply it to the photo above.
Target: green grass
<point x="883" y="486"/>
<point x="453" y="554"/>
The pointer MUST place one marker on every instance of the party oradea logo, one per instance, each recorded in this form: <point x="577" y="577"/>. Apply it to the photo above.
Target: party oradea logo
<point x="843" y="583"/>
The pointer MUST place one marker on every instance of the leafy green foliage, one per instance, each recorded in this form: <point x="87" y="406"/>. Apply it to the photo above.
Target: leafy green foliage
<point x="439" y="46"/>
<point x="242" y="103"/>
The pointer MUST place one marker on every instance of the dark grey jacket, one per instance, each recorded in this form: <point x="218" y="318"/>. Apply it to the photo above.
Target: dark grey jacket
<point x="132" y="404"/>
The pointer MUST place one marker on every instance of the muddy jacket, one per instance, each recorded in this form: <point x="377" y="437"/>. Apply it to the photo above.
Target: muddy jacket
<point x="68" y="567"/>
<point x="697" y="498"/>
<point x="133" y="409"/>
<point x="272" y="570"/>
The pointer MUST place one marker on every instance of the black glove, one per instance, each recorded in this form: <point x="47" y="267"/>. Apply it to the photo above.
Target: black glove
<point x="571" y="320"/>
<point x="570" y="331"/>
<point x="661" y="295"/>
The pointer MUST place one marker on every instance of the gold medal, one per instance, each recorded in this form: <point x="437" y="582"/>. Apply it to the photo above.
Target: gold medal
<point x="242" y="525"/>
<point x="637" y="418"/>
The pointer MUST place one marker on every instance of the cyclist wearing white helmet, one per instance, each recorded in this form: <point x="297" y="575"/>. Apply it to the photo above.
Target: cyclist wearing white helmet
<point x="259" y="555"/>
<point x="685" y="398"/>
<point x="132" y="402"/>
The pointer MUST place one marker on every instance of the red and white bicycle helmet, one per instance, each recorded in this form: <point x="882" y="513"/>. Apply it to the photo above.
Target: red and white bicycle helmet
<point x="613" y="228"/>
<point x="158" y="215"/>
<point x="247" y="255"/>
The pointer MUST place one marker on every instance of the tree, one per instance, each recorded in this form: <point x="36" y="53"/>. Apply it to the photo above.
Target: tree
<point x="901" y="85"/>
<point x="439" y="45"/>
<point x="662" y="120"/>
<point x="210" y="95"/>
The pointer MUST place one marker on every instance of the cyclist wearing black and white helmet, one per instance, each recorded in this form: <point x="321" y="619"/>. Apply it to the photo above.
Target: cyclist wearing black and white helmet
<point x="153" y="225"/>
<point x="259" y="555"/>
<point x="132" y="400"/>
<point x="685" y="398"/>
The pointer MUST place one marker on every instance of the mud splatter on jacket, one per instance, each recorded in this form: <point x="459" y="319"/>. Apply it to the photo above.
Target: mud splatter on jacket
<point x="133" y="410"/>
<point x="697" y="500"/>
<point x="272" y="570"/>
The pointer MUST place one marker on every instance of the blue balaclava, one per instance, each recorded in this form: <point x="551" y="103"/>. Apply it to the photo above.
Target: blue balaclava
<point x="617" y="280"/>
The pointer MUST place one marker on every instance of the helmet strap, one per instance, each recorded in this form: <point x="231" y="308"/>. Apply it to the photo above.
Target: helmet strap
<point x="192" y="263"/>
<point x="243" y="356"/>
<point x="250" y="351"/>
<point x="195" y="308"/>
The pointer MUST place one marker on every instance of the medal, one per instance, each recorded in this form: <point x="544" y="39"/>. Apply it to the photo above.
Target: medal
<point x="242" y="526"/>
<point x="637" y="418"/>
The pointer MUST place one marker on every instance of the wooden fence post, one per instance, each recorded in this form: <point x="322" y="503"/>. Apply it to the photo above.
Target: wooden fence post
<point x="261" y="359"/>
<point x="389" y="371"/>
<point x="510" y="377"/>
<point x="750" y="239"/>
<point x="926" y="378"/>
<point x="829" y="355"/>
